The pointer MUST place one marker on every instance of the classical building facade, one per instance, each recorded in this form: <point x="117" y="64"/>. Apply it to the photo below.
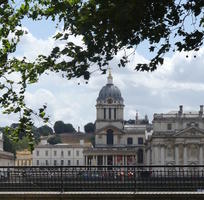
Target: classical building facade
<point x="115" y="142"/>
<point x="177" y="139"/>
<point x="59" y="154"/>
<point x="23" y="158"/>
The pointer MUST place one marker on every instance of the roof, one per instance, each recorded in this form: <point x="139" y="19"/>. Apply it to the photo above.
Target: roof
<point x="189" y="114"/>
<point x="75" y="138"/>
<point x="6" y="155"/>
<point x="110" y="91"/>
<point x="64" y="145"/>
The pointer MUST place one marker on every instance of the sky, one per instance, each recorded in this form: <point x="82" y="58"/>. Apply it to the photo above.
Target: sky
<point x="179" y="81"/>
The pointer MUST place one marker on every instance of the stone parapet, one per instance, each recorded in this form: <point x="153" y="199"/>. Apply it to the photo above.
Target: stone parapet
<point x="199" y="195"/>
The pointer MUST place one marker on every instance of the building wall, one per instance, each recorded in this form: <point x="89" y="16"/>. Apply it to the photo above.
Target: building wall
<point x="178" y="138"/>
<point x="23" y="158"/>
<point x="6" y="162"/>
<point x="101" y="124"/>
<point x="48" y="156"/>
<point x="119" y="138"/>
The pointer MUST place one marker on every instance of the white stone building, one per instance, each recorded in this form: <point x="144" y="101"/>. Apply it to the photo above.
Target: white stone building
<point x="6" y="158"/>
<point x="177" y="139"/>
<point x="115" y="142"/>
<point x="59" y="154"/>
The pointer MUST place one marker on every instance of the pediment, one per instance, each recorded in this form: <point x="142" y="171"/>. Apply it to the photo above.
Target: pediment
<point x="190" y="132"/>
<point x="115" y="130"/>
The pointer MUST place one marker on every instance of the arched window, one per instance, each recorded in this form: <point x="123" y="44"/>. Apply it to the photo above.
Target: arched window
<point x="140" y="156"/>
<point x="109" y="137"/>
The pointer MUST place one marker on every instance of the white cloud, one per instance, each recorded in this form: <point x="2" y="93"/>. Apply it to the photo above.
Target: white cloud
<point x="178" y="81"/>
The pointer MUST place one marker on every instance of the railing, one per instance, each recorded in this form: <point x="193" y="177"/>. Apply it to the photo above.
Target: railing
<point x="103" y="178"/>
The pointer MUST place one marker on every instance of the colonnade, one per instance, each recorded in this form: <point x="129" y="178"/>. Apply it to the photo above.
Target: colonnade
<point x="157" y="155"/>
<point x="93" y="160"/>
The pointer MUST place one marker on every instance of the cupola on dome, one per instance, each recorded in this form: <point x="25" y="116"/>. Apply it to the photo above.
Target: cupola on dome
<point x="110" y="91"/>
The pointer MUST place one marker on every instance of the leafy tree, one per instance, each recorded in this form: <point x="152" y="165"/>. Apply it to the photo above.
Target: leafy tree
<point x="8" y="144"/>
<point x="54" y="139"/>
<point x="89" y="128"/>
<point x="61" y="127"/>
<point x="69" y="128"/>
<point x="45" y="130"/>
<point x="106" y="27"/>
<point x="22" y="144"/>
<point x="36" y="134"/>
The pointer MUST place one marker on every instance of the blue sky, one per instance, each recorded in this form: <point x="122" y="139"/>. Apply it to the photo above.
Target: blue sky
<point x="178" y="82"/>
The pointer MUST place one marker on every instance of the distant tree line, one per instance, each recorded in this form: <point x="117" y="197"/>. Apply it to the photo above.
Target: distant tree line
<point x="22" y="142"/>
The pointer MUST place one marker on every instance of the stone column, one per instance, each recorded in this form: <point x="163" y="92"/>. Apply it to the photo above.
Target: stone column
<point x="113" y="160"/>
<point x="124" y="160"/>
<point x="156" y="155"/>
<point x="112" y="113"/>
<point x="185" y="161"/>
<point x="148" y="157"/>
<point x="162" y="155"/>
<point x="177" y="154"/>
<point x="201" y="154"/>
<point x="85" y="160"/>
<point x="97" y="160"/>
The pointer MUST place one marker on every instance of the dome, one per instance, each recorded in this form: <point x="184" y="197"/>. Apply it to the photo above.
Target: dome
<point x="110" y="91"/>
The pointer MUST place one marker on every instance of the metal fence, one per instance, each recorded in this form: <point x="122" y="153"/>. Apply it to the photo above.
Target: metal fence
<point x="103" y="178"/>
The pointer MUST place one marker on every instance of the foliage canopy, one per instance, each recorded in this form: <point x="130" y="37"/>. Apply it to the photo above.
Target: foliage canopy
<point x="45" y="130"/>
<point x="61" y="127"/>
<point x="89" y="127"/>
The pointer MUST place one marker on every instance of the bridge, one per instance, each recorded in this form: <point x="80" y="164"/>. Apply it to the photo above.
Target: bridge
<point x="91" y="182"/>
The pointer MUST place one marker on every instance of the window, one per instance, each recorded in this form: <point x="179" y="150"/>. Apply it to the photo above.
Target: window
<point x="46" y="153"/>
<point x="62" y="162"/>
<point x="62" y="153"/>
<point x="77" y="153"/>
<point x="37" y="153"/>
<point x="129" y="141"/>
<point x="55" y="153"/>
<point x="38" y="163"/>
<point x="110" y="137"/>
<point x="169" y="127"/>
<point x="55" y="162"/>
<point x="46" y="163"/>
<point x="109" y="113"/>
<point x="115" y="113"/>
<point x="77" y="162"/>
<point x="68" y="162"/>
<point x="69" y="153"/>
<point x="140" y="140"/>
<point x="104" y="113"/>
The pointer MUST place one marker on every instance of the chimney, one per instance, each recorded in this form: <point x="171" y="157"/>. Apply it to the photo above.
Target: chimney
<point x="81" y="142"/>
<point x="180" y="110"/>
<point x="201" y="110"/>
<point x="136" y="118"/>
<point x="78" y="129"/>
<point x="43" y="140"/>
<point x="146" y="119"/>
